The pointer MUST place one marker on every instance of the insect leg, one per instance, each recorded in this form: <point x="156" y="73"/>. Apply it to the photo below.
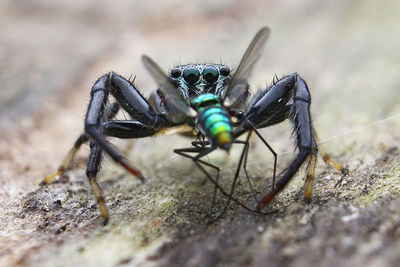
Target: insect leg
<point x="246" y="153"/>
<point x="199" y="163"/>
<point x="235" y="178"/>
<point x="200" y="149"/>
<point x="251" y="127"/>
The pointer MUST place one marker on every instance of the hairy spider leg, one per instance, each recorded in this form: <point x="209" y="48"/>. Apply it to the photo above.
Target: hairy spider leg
<point x="121" y="129"/>
<point x="308" y="186"/>
<point x="109" y="114"/>
<point x="132" y="102"/>
<point x="287" y="98"/>
<point x="146" y="123"/>
<point x="92" y="169"/>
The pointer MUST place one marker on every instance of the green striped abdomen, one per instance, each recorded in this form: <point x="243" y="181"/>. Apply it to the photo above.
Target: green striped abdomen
<point x="214" y="122"/>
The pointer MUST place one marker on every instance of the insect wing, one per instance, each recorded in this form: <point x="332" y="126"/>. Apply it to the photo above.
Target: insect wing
<point x="172" y="96"/>
<point x="238" y="84"/>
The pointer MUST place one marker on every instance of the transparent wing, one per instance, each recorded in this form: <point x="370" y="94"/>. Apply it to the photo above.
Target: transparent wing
<point x="239" y="80"/>
<point x="174" y="100"/>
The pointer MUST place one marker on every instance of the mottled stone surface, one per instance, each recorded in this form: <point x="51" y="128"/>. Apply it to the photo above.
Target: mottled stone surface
<point x="50" y="55"/>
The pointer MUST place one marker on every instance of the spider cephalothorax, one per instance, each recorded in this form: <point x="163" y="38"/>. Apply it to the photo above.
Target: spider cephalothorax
<point x="201" y="98"/>
<point x="196" y="79"/>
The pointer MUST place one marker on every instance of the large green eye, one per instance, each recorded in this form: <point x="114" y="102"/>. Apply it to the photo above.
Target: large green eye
<point x="210" y="74"/>
<point x="191" y="75"/>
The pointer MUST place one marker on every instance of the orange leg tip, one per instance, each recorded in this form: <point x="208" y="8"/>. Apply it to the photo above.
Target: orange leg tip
<point x="264" y="202"/>
<point x="307" y="195"/>
<point x="337" y="166"/>
<point x="260" y="206"/>
<point x="334" y="164"/>
<point x="51" y="177"/>
<point x="308" y="191"/>
<point x="103" y="210"/>
<point x="133" y="170"/>
<point x="104" y="213"/>
<point x="106" y="218"/>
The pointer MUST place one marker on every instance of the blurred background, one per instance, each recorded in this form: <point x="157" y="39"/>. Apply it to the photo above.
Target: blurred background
<point x="51" y="53"/>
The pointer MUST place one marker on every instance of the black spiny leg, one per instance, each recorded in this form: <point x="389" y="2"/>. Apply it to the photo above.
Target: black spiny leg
<point x="274" y="106"/>
<point x="92" y="169"/>
<point x="131" y="101"/>
<point x="146" y="122"/>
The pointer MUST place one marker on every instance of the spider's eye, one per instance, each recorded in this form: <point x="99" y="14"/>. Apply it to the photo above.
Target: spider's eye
<point x="224" y="71"/>
<point x="176" y="73"/>
<point x="191" y="75"/>
<point x="210" y="74"/>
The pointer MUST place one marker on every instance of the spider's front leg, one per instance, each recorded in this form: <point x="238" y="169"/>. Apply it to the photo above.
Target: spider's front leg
<point x="131" y="101"/>
<point x="146" y="123"/>
<point x="287" y="98"/>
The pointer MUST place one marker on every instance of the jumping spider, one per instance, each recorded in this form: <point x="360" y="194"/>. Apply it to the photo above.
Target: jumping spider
<point x="206" y="98"/>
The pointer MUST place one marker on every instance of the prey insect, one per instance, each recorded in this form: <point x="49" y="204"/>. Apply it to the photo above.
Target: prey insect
<point x="203" y="98"/>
